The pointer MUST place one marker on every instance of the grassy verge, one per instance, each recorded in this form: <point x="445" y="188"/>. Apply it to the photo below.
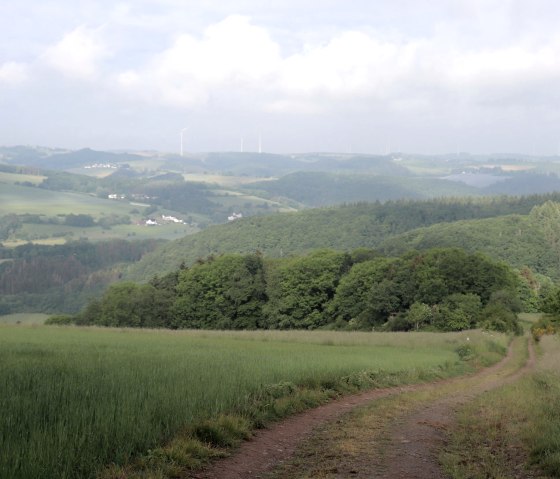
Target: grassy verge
<point x="355" y="444"/>
<point x="513" y="431"/>
<point x="74" y="400"/>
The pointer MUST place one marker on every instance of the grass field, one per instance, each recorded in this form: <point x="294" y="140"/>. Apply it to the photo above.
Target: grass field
<point x="23" y="318"/>
<point x="12" y="178"/>
<point x="21" y="200"/>
<point x="516" y="427"/>
<point x="223" y="180"/>
<point x="38" y="232"/>
<point x="74" y="400"/>
<point x="15" y="199"/>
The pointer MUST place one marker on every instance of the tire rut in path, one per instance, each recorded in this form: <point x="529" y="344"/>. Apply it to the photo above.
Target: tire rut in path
<point x="416" y="442"/>
<point x="270" y="447"/>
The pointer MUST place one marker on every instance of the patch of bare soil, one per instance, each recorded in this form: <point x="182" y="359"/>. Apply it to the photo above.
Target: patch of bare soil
<point x="412" y="452"/>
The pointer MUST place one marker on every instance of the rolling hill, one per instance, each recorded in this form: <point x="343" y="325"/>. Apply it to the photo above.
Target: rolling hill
<point x="350" y="227"/>
<point x="315" y="189"/>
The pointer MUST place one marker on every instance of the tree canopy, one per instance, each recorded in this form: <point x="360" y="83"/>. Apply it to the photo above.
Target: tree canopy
<point x="443" y="289"/>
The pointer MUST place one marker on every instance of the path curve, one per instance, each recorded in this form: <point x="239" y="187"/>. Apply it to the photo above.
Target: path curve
<point x="416" y="442"/>
<point x="270" y="447"/>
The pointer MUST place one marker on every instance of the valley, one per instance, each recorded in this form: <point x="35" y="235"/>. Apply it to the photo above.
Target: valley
<point x="265" y="285"/>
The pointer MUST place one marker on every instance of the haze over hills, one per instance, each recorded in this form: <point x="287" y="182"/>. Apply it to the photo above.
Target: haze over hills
<point x="56" y="196"/>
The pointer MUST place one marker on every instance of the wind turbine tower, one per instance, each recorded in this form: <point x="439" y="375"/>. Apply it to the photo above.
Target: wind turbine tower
<point x="260" y="143"/>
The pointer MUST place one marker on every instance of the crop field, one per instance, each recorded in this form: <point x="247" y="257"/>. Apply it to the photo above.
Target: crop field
<point x="23" y="318"/>
<point x="21" y="200"/>
<point x="37" y="233"/>
<point x="223" y="180"/>
<point x="74" y="400"/>
<point x="234" y="199"/>
<point x="12" y="178"/>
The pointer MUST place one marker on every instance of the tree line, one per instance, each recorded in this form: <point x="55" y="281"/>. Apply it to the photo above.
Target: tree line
<point x="62" y="277"/>
<point x="442" y="289"/>
<point x="353" y="226"/>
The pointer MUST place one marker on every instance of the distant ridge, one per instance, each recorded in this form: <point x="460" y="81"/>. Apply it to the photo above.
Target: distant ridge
<point x="343" y="228"/>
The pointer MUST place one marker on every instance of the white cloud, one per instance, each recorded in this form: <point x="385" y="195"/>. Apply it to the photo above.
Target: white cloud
<point x="234" y="58"/>
<point x="231" y="53"/>
<point x="13" y="73"/>
<point x="78" y="54"/>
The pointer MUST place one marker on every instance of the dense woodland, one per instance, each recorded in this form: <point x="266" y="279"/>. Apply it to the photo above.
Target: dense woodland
<point x="438" y="289"/>
<point x="374" y="225"/>
<point x="521" y="231"/>
<point x="315" y="189"/>
<point x="62" y="277"/>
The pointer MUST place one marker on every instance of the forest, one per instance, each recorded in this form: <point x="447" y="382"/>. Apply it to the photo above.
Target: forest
<point x="434" y="290"/>
<point x="390" y="226"/>
<point x="62" y="277"/>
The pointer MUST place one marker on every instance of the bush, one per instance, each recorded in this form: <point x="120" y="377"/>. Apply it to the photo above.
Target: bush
<point x="60" y="320"/>
<point x="498" y="318"/>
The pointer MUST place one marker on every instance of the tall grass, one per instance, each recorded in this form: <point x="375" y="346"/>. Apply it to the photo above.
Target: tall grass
<point x="73" y="400"/>
<point x="512" y="431"/>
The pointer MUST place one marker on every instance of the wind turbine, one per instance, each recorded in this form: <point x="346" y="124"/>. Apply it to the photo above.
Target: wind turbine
<point x="182" y="132"/>
<point x="260" y="143"/>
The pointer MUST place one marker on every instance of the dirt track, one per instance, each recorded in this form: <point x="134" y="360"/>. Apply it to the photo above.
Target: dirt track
<point x="411" y="452"/>
<point x="416" y="442"/>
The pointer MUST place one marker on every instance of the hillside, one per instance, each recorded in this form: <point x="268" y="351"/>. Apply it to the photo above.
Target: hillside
<point x="520" y="240"/>
<point x="342" y="228"/>
<point x="317" y="189"/>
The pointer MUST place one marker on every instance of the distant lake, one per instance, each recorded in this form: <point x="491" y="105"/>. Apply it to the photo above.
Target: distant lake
<point x="478" y="180"/>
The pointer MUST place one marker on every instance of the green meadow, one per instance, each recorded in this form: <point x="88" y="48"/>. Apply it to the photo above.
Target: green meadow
<point x="37" y="232"/>
<point x="15" y="199"/>
<point x="23" y="318"/>
<point x="13" y="178"/>
<point x="76" y="400"/>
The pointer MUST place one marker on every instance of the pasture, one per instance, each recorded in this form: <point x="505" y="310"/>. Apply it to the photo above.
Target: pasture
<point x="46" y="233"/>
<point x="15" y="199"/>
<point x="23" y="318"/>
<point x="228" y="181"/>
<point x="75" y="400"/>
<point x="13" y="178"/>
<point x="21" y="200"/>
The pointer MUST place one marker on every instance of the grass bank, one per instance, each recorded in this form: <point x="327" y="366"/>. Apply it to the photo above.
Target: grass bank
<point x="513" y="431"/>
<point x="75" y="400"/>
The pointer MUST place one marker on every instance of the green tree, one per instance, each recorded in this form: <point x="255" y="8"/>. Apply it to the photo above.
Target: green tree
<point x="353" y="295"/>
<point x="551" y="301"/>
<point x="132" y="305"/>
<point x="81" y="220"/>
<point x="469" y="303"/>
<point x="227" y="292"/>
<point x="496" y="317"/>
<point x="418" y="315"/>
<point x="300" y="289"/>
<point x="546" y="218"/>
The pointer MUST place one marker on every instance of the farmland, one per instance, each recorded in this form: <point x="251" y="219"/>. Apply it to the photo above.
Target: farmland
<point x="75" y="400"/>
<point x="15" y="199"/>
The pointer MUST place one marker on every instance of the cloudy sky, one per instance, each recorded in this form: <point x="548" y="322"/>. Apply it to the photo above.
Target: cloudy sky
<point x="426" y="76"/>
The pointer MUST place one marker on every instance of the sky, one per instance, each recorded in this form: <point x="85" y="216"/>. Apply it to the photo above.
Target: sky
<point x="360" y="76"/>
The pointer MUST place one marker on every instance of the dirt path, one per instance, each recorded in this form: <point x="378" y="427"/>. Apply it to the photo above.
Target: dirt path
<point x="414" y="443"/>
